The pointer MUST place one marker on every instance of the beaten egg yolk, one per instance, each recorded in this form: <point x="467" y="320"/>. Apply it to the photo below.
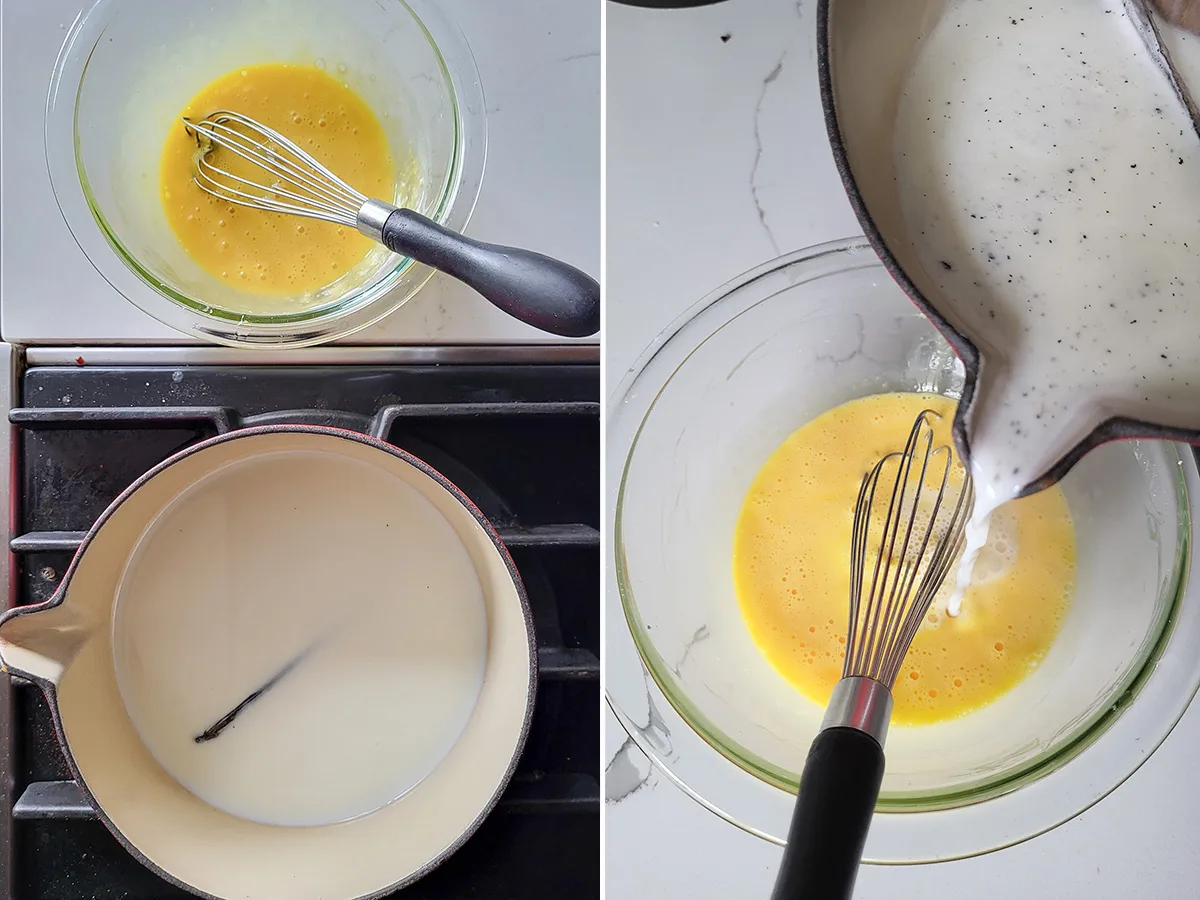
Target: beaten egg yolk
<point x="265" y="253"/>
<point x="791" y="568"/>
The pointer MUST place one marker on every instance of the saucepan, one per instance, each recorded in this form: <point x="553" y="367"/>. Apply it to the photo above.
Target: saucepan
<point x="866" y="49"/>
<point x="288" y="662"/>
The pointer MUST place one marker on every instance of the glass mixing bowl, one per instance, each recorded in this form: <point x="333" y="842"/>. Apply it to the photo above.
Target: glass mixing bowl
<point x="128" y="67"/>
<point x="690" y="426"/>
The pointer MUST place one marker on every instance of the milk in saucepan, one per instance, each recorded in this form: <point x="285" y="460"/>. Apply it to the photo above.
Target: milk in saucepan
<point x="1051" y="182"/>
<point x="267" y="559"/>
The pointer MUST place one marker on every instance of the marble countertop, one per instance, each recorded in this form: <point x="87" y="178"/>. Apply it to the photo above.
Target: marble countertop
<point x="716" y="162"/>
<point x="540" y="68"/>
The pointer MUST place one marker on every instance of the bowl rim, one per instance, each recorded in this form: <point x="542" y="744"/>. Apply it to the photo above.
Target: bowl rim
<point x="358" y="308"/>
<point x="659" y="684"/>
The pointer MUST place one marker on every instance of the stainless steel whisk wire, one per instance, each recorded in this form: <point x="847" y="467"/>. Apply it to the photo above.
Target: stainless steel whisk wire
<point x="904" y="610"/>
<point x="328" y="199"/>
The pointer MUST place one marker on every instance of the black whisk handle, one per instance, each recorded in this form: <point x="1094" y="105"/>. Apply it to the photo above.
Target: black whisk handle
<point x="543" y="292"/>
<point x="838" y="790"/>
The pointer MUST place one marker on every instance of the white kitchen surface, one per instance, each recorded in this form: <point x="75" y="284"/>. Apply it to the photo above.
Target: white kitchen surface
<point x="717" y="161"/>
<point x="540" y="68"/>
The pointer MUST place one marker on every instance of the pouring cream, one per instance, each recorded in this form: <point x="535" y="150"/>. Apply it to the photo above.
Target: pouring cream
<point x="1051" y="181"/>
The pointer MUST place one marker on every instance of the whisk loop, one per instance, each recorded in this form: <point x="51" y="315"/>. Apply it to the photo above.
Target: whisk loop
<point x="289" y="180"/>
<point x="892" y="587"/>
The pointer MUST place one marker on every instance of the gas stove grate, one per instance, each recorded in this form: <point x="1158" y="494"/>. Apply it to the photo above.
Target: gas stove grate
<point x="521" y="441"/>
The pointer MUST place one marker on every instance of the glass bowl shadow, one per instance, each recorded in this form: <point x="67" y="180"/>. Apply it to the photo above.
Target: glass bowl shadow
<point x="689" y="428"/>
<point x="126" y="69"/>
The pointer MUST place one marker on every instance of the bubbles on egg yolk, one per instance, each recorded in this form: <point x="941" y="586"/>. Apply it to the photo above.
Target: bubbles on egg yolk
<point x="273" y="254"/>
<point x="791" y="569"/>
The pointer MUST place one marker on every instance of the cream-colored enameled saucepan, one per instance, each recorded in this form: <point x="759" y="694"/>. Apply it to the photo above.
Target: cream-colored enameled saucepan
<point x="301" y="526"/>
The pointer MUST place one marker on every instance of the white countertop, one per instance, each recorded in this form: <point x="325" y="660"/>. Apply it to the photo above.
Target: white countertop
<point x="540" y="68"/>
<point x="717" y="161"/>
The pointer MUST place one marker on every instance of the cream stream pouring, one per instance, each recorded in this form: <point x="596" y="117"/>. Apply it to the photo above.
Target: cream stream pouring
<point x="1033" y="182"/>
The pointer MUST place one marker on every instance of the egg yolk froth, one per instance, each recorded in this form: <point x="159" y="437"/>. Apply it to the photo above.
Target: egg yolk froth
<point x="791" y="566"/>
<point x="274" y="254"/>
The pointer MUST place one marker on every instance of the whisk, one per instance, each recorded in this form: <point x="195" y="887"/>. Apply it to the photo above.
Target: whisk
<point x="536" y="289"/>
<point x="903" y="543"/>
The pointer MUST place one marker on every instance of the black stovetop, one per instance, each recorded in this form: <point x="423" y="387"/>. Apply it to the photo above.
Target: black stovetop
<point x="522" y="441"/>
